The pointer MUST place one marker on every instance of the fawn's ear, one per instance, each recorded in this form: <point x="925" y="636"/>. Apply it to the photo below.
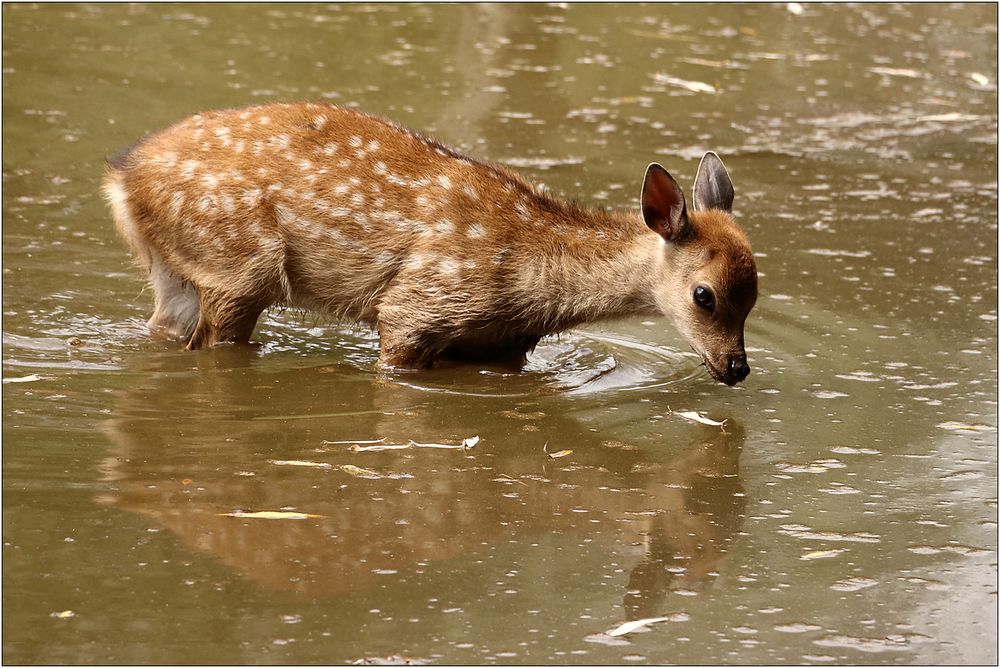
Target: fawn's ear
<point x="713" y="189"/>
<point x="663" y="206"/>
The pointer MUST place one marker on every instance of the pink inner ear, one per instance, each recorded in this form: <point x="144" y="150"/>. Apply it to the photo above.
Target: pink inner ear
<point x="663" y="203"/>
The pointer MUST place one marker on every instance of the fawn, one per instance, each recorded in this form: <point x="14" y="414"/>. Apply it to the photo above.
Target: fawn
<point x="328" y="209"/>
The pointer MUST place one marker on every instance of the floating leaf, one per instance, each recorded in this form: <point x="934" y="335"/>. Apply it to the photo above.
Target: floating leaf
<point x="820" y="554"/>
<point x="698" y="417"/>
<point x="271" y="515"/>
<point x="960" y="426"/>
<point x="24" y="379"/>
<point x="359" y="472"/>
<point x="561" y="453"/>
<point x="693" y="86"/>
<point x="299" y="462"/>
<point x="629" y="627"/>
<point x="65" y="614"/>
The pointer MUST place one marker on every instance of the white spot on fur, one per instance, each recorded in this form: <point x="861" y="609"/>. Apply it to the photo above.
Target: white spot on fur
<point x="469" y="264"/>
<point x="206" y="203"/>
<point x="444" y="181"/>
<point x="305" y="165"/>
<point x="447" y="266"/>
<point x="358" y="200"/>
<point x="319" y="121"/>
<point x="470" y="191"/>
<point x="444" y="226"/>
<point x="330" y="148"/>
<point x="228" y="204"/>
<point x="176" y="204"/>
<point x="263" y="120"/>
<point x="188" y="168"/>
<point x="251" y="197"/>
<point x="422" y="200"/>
<point x="210" y="181"/>
<point x="380" y="167"/>
<point x="373" y="145"/>
<point x="355" y="141"/>
<point x="240" y="145"/>
<point x="344" y="163"/>
<point x="475" y="231"/>
<point x="416" y="261"/>
<point x="342" y="189"/>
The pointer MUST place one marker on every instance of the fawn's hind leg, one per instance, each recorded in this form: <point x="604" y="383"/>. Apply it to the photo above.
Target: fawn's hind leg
<point x="226" y="318"/>
<point x="176" y="309"/>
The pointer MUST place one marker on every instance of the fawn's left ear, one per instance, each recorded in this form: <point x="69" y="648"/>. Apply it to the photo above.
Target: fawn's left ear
<point x="663" y="206"/>
<point x="713" y="189"/>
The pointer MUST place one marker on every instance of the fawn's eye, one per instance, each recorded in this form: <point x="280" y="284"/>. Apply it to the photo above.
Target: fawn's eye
<point x="703" y="297"/>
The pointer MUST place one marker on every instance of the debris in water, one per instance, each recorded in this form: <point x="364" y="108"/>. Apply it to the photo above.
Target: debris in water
<point x="960" y="426"/>
<point x="979" y="79"/>
<point x="820" y="554"/>
<point x="794" y="8"/>
<point x="379" y="440"/>
<point x="380" y="445"/>
<point x="270" y="515"/>
<point x="698" y="417"/>
<point x="24" y="379"/>
<point x="693" y="86"/>
<point x="394" y="660"/>
<point x="379" y="448"/>
<point x="359" y="472"/>
<point x="299" y="462"/>
<point x="635" y="625"/>
<point x="555" y="455"/>
<point x="65" y="614"/>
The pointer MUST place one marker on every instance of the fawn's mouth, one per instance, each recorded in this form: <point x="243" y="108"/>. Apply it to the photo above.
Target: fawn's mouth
<point x="723" y="376"/>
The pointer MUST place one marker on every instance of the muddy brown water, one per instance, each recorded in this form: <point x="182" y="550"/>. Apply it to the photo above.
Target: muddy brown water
<point x="845" y="513"/>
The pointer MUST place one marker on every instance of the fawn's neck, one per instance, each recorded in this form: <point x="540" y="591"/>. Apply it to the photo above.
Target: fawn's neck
<point x="609" y="272"/>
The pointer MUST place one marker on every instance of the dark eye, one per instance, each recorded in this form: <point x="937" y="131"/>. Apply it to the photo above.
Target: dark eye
<point x="703" y="298"/>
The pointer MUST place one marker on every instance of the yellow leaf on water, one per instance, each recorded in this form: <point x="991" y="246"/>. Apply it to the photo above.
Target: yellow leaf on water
<point x="561" y="453"/>
<point x="271" y="515"/>
<point x="359" y="472"/>
<point x="820" y="554"/>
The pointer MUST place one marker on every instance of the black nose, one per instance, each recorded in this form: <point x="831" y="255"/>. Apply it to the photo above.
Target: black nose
<point x="738" y="368"/>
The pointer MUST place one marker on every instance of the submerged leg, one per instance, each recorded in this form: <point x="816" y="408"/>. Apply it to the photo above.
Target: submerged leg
<point x="226" y="318"/>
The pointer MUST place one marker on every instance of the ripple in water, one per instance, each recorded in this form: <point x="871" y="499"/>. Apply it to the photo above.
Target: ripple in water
<point x="575" y="363"/>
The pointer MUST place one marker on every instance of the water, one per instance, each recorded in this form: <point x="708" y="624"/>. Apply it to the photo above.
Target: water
<point x="846" y="512"/>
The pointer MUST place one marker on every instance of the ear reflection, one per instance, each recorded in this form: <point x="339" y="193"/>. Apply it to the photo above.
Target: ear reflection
<point x="689" y="537"/>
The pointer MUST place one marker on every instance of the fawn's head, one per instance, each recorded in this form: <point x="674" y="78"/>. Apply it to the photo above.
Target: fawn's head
<point x="707" y="282"/>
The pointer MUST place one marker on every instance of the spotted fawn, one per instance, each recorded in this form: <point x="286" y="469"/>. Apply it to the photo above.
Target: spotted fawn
<point x="449" y="258"/>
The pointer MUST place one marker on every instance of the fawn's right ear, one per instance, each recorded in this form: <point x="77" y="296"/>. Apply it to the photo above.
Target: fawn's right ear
<point x="663" y="206"/>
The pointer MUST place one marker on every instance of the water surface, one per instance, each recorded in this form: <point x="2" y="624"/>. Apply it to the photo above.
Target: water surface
<point x="846" y="512"/>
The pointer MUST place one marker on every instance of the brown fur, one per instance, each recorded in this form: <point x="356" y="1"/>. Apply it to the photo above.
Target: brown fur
<point x="327" y="209"/>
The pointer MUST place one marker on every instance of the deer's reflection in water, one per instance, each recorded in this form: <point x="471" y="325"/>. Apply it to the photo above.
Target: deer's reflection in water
<point x="190" y="460"/>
